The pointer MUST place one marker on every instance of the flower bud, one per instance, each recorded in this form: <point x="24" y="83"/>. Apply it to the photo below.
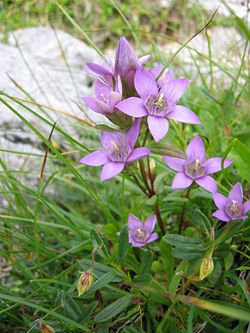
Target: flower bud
<point x="206" y="268"/>
<point x="84" y="283"/>
<point x="46" y="328"/>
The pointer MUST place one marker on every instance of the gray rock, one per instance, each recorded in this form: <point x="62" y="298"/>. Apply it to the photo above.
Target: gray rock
<point x="38" y="60"/>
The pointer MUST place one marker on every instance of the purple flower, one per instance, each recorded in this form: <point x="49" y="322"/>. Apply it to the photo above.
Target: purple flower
<point x="117" y="151"/>
<point x="231" y="208"/>
<point x="126" y="63"/>
<point x="104" y="71"/>
<point x="140" y="233"/>
<point x="106" y="98"/>
<point x="195" y="168"/>
<point x="157" y="102"/>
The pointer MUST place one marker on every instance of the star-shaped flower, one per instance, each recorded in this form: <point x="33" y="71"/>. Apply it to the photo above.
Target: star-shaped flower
<point x="157" y="102"/>
<point x="231" y="208"/>
<point x="140" y="233"/>
<point x="117" y="151"/>
<point x="195" y="168"/>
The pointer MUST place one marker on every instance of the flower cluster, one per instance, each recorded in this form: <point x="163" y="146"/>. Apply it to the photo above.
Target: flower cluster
<point x="140" y="101"/>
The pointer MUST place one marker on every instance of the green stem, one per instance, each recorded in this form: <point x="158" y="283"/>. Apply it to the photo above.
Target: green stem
<point x="182" y="221"/>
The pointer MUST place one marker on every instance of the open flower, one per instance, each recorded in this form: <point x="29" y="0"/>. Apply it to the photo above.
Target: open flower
<point x="126" y="63"/>
<point x="140" y="233"/>
<point x="231" y="208"/>
<point x="195" y="168"/>
<point x="117" y="151"/>
<point x="106" y="98"/>
<point x="157" y="102"/>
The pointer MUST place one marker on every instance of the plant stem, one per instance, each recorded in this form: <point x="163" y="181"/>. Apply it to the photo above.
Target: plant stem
<point x="182" y="221"/>
<point x="144" y="177"/>
<point x="139" y="185"/>
<point x="159" y="219"/>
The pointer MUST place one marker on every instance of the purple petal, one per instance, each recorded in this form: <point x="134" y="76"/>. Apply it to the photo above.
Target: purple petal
<point x="243" y="217"/>
<point x="98" y="69"/>
<point x="208" y="183"/>
<point x="102" y="89"/>
<point x="96" y="158"/>
<point x="220" y="200"/>
<point x="118" y="85"/>
<point x="156" y="70"/>
<point x="181" y="181"/>
<point x="133" y="133"/>
<point x="114" y="98"/>
<point x="246" y="206"/>
<point x="220" y="215"/>
<point x="144" y="59"/>
<point x="132" y="106"/>
<point x="125" y="58"/>
<point x="137" y="244"/>
<point x="145" y="83"/>
<point x="134" y="223"/>
<point x="213" y="165"/>
<point x="196" y="149"/>
<point x="169" y="76"/>
<point x="174" y="163"/>
<point x="138" y="154"/>
<point x="152" y="238"/>
<point x="150" y="224"/>
<point x="184" y="115"/>
<point x="176" y="88"/>
<point x="236" y="193"/>
<point x="96" y="105"/>
<point x="158" y="127"/>
<point x="111" y="169"/>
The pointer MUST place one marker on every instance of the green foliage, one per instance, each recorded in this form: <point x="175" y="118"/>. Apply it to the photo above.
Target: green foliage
<point x="48" y="237"/>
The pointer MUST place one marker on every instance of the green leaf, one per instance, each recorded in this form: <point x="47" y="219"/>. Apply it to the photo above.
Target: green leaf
<point x="203" y="222"/>
<point x="221" y="307"/>
<point x="241" y="157"/>
<point x="229" y="260"/>
<point x="39" y="308"/>
<point x="146" y="261"/>
<point x="186" y="247"/>
<point x="184" y="242"/>
<point x="123" y="245"/>
<point x="113" y="309"/>
<point x="143" y="279"/>
<point x="98" y="242"/>
<point x="174" y="283"/>
<point x="102" y="282"/>
<point x="227" y="231"/>
<point x="168" y="259"/>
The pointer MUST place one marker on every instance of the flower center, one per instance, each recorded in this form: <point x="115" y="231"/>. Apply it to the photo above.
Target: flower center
<point x="116" y="148"/>
<point x="140" y="234"/>
<point x="233" y="209"/>
<point x="156" y="104"/>
<point x="194" y="169"/>
<point x="115" y="145"/>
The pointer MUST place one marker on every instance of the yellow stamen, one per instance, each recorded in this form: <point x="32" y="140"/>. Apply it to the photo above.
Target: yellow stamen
<point x="234" y="207"/>
<point x="140" y="233"/>
<point x="159" y="101"/>
<point x="116" y="147"/>
<point x="197" y="165"/>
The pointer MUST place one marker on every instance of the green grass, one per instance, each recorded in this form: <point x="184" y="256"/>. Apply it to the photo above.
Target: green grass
<point x="51" y="233"/>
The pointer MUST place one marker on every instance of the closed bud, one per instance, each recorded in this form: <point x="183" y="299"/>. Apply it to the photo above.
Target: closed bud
<point x="84" y="283"/>
<point x="46" y="328"/>
<point x="206" y="268"/>
<point x="152" y="165"/>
